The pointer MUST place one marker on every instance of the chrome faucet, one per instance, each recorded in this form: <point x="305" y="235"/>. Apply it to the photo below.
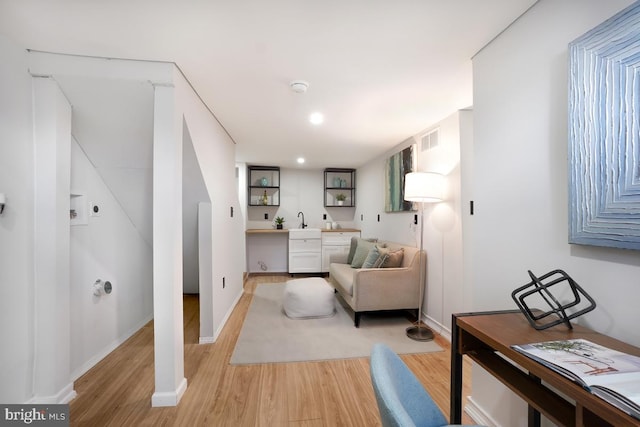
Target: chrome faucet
<point x="303" y="225"/>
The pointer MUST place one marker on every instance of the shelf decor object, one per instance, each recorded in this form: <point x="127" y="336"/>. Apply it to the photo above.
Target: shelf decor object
<point x="263" y="185"/>
<point x="604" y="134"/>
<point x="422" y="187"/>
<point x="279" y="222"/>
<point x="538" y="290"/>
<point x="339" y="187"/>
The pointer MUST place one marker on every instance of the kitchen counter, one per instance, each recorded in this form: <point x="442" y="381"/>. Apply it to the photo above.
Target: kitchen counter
<point x="268" y="248"/>
<point x="286" y="230"/>
<point x="266" y="231"/>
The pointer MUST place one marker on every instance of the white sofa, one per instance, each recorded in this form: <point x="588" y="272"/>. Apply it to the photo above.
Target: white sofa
<point x="375" y="289"/>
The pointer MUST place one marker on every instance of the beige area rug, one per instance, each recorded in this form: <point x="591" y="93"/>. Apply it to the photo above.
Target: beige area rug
<point x="269" y="336"/>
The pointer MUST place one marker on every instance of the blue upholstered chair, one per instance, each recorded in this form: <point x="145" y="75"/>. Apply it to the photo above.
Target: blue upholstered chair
<point x="402" y="400"/>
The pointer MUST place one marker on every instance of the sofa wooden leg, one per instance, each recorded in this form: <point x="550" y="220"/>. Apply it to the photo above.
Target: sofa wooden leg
<point x="357" y="319"/>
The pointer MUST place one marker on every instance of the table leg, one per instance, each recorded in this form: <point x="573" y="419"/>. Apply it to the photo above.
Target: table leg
<point x="455" y="414"/>
<point x="532" y="413"/>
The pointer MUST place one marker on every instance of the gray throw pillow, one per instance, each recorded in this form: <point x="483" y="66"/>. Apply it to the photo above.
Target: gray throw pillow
<point x="362" y="250"/>
<point x="380" y="261"/>
<point x="354" y="245"/>
<point x="372" y="258"/>
<point x="352" y="249"/>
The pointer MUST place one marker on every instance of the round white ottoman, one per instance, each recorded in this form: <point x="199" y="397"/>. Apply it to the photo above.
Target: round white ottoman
<point x="308" y="297"/>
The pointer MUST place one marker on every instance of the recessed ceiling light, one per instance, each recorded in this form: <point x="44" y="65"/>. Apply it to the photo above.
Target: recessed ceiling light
<point x="316" y="118"/>
<point x="300" y="160"/>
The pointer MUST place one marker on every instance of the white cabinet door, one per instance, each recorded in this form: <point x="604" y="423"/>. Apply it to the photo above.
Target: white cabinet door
<point x="335" y="243"/>
<point x="328" y="251"/>
<point x="304" y="262"/>
<point x="305" y="255"/>
<point x="305" y="245"/>
<point x="338" y="237"/>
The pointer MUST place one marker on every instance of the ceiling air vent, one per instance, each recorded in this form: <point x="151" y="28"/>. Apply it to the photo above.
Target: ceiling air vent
<point x="430" y="140"/>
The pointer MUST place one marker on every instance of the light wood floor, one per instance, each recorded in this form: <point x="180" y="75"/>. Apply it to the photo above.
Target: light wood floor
<point x="117" y="391"/>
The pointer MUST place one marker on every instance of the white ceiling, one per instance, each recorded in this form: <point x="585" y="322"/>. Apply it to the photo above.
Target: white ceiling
<point x="379" y="71"/>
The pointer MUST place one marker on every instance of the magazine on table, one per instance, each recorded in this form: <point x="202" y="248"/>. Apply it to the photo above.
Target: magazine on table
<point x="609" y="374"/>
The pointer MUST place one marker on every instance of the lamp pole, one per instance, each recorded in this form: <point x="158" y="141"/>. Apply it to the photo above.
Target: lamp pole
<point x="420" y="332"/>
<point x="422" y="187"/>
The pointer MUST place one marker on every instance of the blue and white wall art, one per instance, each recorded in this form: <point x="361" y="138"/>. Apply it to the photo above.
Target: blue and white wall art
<point x="604" y="133"/>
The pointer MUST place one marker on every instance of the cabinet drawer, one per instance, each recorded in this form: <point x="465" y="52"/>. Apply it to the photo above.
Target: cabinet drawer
<point x="338" y="237"/>
<point x="305" y="245"/>
<point x="305" y="262"/>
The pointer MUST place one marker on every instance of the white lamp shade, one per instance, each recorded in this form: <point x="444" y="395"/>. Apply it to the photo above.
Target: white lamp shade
<point x="425" y="187"/>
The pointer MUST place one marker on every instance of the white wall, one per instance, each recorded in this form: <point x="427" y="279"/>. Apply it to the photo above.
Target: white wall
<point x="205" y="272"/>
<point x="70" y="330"/>
<point x="16" y="226"/>
<point x="301" y="190"/>
<point x="107" y="247"/>
<point x="194" y="192"/>
<point x="370" y="184"/>
<point x="52" y="143"/>
<point x="215" y="152"/>
<point x="267" y="253"/>
<point x="446" y="290"/>
<point x="520" y="182"/>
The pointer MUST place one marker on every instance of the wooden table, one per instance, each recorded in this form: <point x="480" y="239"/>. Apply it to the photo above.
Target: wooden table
<point x="486" y="337"/>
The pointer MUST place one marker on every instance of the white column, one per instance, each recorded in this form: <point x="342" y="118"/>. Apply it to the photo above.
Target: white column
<point x="205" y="256"/>
<point x="170" y="383"/>
<point x="52" y="139"/>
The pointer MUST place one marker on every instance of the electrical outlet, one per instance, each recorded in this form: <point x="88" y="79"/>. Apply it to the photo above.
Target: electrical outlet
<point x="266" y="216"/>
<point x="324" y="216"/>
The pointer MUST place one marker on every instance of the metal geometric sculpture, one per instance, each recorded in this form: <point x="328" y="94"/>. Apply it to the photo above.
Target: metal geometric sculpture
<point x="539" y="289"/>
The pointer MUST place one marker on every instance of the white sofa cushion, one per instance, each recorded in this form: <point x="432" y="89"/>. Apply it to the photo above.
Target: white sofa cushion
<point x="343" y="274"/>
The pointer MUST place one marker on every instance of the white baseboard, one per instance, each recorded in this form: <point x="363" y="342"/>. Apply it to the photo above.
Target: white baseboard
<point x="65" y="395"/>
<point x="68" y="394"/>
<point x="216" y="334"/>
<point x="169" y="398"/>
<point x="211" y="340"/>
<point x="478" y="415"/>
<point x="437" y="327"/>
<point x="84" y="368"/>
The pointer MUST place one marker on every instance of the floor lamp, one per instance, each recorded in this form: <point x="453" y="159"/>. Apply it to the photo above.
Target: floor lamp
<point x="421" y="188"/>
